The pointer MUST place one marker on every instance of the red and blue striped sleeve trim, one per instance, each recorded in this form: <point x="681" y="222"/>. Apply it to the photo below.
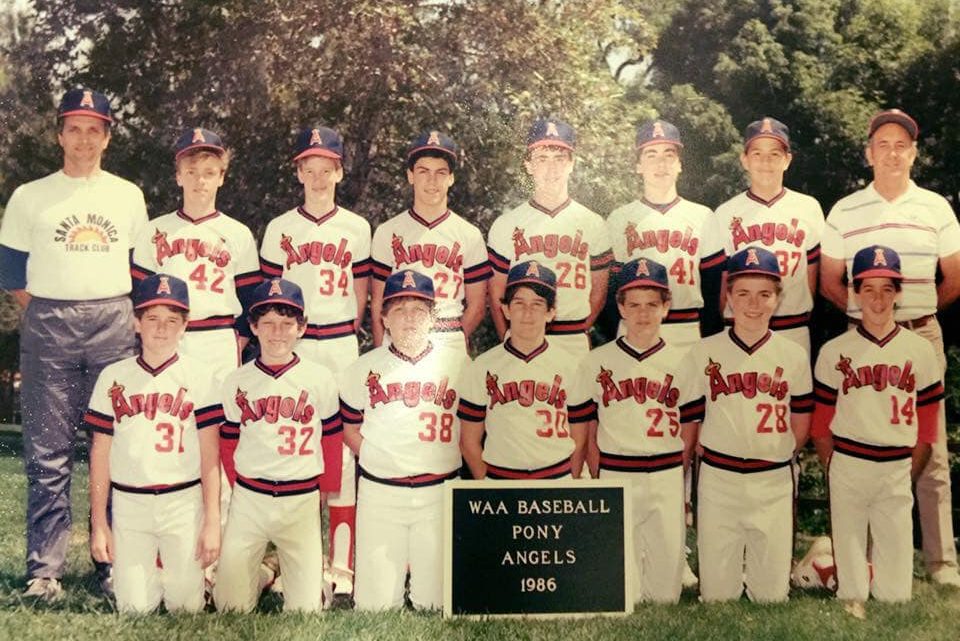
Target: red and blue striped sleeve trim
<point x="350" y="415"/>
<point x="99" y="422"/>
<point x="332" y="425"/>
<point x="813" y="255"/>
<point x="601" y="261"/>
<point x="714" y="261"/>
<point x="824" y="394"/>
<point x="362" y="268"/>
<point x="930" y="394"/>
<point x="230" y="430"/>
<point x="802" y="404"/>
<point x="380" y="270"/>
<point x="270" y="270"/>
<point x="208" y="416"/>
<point x="477" y="273"/>
<point x="248" y="279"/>
<point x="468" y="411"/>
<point x="139" y="272"/>
<point x="582" y="412"/>
<point x="693" y="411"/>
<point x="497" y="262"/>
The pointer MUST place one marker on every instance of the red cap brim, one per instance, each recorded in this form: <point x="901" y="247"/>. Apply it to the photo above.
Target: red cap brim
<point x="85" y="112"/>
<point x="214" y="148"/>
<point x="277" y="301"/>
<point x="172" y="302"/>
<point x="879" y="273"/>
<point x="550" y="143"/>
<point x="642" y="283"/>
<point x="323" y="153"/>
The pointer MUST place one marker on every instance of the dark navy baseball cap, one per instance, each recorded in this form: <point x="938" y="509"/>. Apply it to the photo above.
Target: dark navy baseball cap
<point x="434" y="140"/>
<point x="408" y="283"/>
<point x="549" y="132"/>
<point x="657" y="131"/>
<point x="85" y="102"/>
<point x="198" y="138"/>
<point x="767" y="128"/>
<point x="161" y="289"/>
<point x="753" y="261"/>
<point x="876" y="261"/>
<point x="896" y="117"/>
<point x="642" y="272"/>
<point x="318" y="141"/>
<point x="532" y="273"/>
<point x="277" y="291"/>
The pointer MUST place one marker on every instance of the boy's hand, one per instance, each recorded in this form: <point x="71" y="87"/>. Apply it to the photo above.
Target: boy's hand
<point x="101" y="544"/>
<point x="208" y="545"/>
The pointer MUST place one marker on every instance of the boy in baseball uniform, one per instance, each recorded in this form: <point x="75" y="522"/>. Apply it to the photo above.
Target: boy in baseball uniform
<point x="515" y="419"/>
<point x="325" y="249"/>
<point x="757" y="396"/>
<point x="433" y="240"/>
<point x="283" y="413"/>
<point x="557" y="232"/>
<point x="878" y="393"/>
<point x="155" y="420"/>
<point x="636" y="427"/>
<point x="399" y="403"/>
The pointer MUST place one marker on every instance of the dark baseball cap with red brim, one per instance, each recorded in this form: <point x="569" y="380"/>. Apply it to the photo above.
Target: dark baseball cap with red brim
<point x="876" y="261"/>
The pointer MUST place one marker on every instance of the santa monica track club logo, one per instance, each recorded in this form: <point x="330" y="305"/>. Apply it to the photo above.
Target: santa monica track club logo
<point x="86" y="233"/>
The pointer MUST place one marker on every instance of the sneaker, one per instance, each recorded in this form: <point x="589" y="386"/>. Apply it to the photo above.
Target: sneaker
<point x="44" y="589"/>
<point x="856" y="609"/>
<point x="690" y="579"/>
<point x="946" y="576"/>
<point x="104" y="580"/>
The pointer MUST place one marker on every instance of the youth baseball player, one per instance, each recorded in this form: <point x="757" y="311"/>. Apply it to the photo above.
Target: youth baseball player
<point x="878" y="391"/>
<point x="64" y="253"/>
<point x="215" y="254"/>
<point x="325" y="249"/>
<point x="557" y="232"/>
<point x="283" y="412"/>
<point x="514" y="409"/>
<point x="781" y="220"/>
<point x="398" y="403"/>
<point x="637" y="427"/>
<point x="666" y="228"/>
<point x="431" y="239"/>
<point x="155" y="420"/>
<point x="922" y="228"/>
<point x="757" y="398"/>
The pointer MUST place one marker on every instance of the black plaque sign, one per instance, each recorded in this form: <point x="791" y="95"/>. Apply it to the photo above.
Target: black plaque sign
<point x="536" y="548"/>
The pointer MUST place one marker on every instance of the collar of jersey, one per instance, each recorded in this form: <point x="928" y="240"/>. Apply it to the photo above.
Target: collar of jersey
<point x="411" y="359"/>
<point x="650" y="351"/>
<point x="317" y="220"/>
<point x="911" y="187"/>
<point x="879" y="341"/>
<point x="550" y="212"/>
<point x="197" y="221"/>
<point x="423" y="221"/>
<point x="767" y="203"/>
<point x="661" y="207"/>
<point x="279" y="371"/>
<point x="749" y="349"/>
<point x="526" y="358"/>
<point x="156" y="371"/>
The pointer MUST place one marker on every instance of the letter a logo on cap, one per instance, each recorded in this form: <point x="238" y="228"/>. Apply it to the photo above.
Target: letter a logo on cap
<point x="767" y="127"/>
<point x="642" y="269"/>
<point x="275" y="289"/>
<point x="879" y="258"/>
<point x="198" y="135"/>
<point x="434" y="138"/>
<point x="315" y="138"/>
<point x="164" y="286"/>
<point x="552" y="130"/>
<point x="408" y="280"/>
<point x="658" y="130"/>
<point x="533" y="270"/>
<point x="752" y="257"/>
<point x="87" y="100"/>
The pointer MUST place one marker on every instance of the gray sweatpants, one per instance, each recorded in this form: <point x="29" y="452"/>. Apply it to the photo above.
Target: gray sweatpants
<point x="63" y="347"/>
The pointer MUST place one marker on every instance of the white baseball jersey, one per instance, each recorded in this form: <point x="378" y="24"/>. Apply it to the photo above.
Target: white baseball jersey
<point x="571" y="240"/>
<point x="637" y="397"/>
<point x="323" y="256"/>
<point x="919" y="225"/>
<point x="879" y="387"/>
<point x="790" y="226"/>
<point x="522" y="400"/>
<point x="280" y="416"/>
<point x="78" y="233"/>
<point x="406" y="408"/>
<point x="215" y="255"/>
<point x="153" y="416"/>
<point x="749" y="393"/>
<point x="449" y="250"/>
<point x="674" y="236"/>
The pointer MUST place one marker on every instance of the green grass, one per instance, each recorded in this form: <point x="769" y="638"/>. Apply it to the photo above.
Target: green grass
<point x="934" y="612"/>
